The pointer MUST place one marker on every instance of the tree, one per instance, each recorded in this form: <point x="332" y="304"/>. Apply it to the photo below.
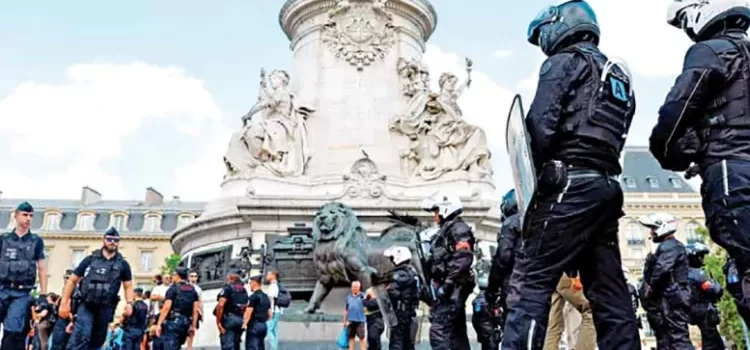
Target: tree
<point x="170" y="263"/>
<point x="731" y="323"/>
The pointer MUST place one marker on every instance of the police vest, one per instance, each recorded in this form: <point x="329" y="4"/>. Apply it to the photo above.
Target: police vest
<point x="602" y="107"/>
<point x="139" y="318"/>
<point x="725" y="127"/>
<point x="17" y="264"/>
<point x="407" y="282"/>
<point x="184" y="299"/>
<point x="237" y="301"/>
<point x="101" y="282"/>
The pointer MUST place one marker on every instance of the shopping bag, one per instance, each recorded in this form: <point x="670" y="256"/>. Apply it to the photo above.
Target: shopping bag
<point x="343" y="341"/>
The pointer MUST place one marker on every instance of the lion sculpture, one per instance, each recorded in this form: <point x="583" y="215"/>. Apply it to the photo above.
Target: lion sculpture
<point x="343" y="252"/>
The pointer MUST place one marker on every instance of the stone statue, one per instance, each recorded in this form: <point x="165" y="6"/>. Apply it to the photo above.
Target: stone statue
<point x="440" y="140"/>
<point x="274" y="133"/>
<point x="342" y="252"/>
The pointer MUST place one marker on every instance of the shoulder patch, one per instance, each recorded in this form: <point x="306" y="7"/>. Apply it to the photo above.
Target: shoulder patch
<point x="546" y="67"/>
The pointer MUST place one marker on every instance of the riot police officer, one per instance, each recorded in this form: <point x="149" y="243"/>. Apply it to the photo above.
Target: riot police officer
<point x="483" y="319"/>
<point x="135" y="325"/>
<point x="21" y="261"/>
<point x="403" y="292"/>
<point x="179" y="314"/>
<point x="706" y="293"/>
<point x="665" y="292"/>
<point x="577" y="125"/>
<point x="100" y="275"/>
<point x="257" y="313"/>
<point x="734" y="287"/>
<point x="232" y="302"/>
<point x="633" y="295"/>
<point x="705" y="121"/>
<point x="450" y="263"/>
<point x="505" y="256"/>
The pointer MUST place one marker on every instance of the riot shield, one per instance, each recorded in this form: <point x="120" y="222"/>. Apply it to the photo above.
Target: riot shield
<point x="519" y="151"/>
<point x="386" y="307"/>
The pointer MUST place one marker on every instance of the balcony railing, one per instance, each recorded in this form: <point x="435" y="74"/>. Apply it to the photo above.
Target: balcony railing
<point x="636" y="241"/>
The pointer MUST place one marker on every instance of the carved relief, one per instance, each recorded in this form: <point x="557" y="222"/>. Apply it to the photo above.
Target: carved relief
<point x="212" y="266"/>
<point x="364" y="177"/>
<point x="274" y="132"/>
<point x="440" y="140"/>
<point x="361" y="34"/>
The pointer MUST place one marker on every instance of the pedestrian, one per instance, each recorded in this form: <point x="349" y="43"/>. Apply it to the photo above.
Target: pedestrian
<point x="179" y="315"/>
<point x="354" y="316"/>
<point x="257" y="313"/>
<point x="46" y="316"/>
<point x="230" y="309"/>
<point x="569" y="290"/>
<point x="272" y="277"/>
<point x="158" y="296"/>
<point x="21" y="261"/>
<point x="100" y="275"/>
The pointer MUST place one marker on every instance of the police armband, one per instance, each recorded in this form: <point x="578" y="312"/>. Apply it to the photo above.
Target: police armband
<point x="553" y="177"/>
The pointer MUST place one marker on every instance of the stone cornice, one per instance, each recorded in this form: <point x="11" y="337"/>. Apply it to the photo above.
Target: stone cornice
<point x="96" y="235"/>
<point x="295" y="12"/>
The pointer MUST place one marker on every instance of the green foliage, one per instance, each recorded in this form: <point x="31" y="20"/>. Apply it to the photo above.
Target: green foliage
<point x="731" y="323"/>
<point x="170" y="263"/>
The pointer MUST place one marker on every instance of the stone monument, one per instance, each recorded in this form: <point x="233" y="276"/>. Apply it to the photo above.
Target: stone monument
<point x="353" y="121"/>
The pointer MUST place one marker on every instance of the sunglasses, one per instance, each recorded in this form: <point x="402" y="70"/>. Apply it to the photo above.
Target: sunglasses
<point x="112" y="239"/>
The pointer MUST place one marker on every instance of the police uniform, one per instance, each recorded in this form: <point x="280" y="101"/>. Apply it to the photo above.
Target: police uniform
<point x="505" y="256"/>
<point x="59" y="334"/>
<point x="375" y="323"/>
<point x="705" y="120"/>
<point x="18" y="268"/>
<point x="705" y="294"/>
<point x="236" y="299"/>
<point x="136" y="324"/>
<point x="577" y="126"/>
<point x="483" y="321"/>
<point x="666" y="297"/>
<point x="176" y="326"/>
<point x="101" y="278"/>
<point x="256" y="328"/>
<point x="404" y="294"/>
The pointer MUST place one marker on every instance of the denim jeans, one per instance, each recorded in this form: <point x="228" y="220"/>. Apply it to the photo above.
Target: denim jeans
<point x="273" y="331"/>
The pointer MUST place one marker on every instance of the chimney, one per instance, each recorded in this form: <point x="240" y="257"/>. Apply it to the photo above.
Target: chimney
<point x="90" y="196"/>
<point x="153" y="197"/>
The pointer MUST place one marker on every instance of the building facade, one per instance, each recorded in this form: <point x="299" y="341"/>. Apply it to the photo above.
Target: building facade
<point x="72" y="229"/>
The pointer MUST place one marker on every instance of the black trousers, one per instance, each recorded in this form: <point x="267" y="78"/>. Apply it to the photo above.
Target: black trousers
<point x="375" y="329"/>
<point x="575" y="229"/>
<point x="448" y="321"/>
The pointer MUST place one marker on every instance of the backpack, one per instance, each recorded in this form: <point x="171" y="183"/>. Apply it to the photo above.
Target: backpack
<point x="284" y="299"/>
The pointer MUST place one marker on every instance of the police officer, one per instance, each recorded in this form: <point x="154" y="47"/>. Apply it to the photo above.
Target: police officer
<point x="734" y="287"/>
<point x="135" y="325"/>
<point x="665" y="292"/>
<point x="633" y="295"/>
<point x="179" y="314"/>
<point x="450" y="263"/>
<point x="21" y="261"/>
<point x="257" y="313"/>
<point x="100" y="275"/>
<point x="403" y="292"/>
<point x="232" y="301"/>
<point x="505" y="256"/>
<point x="705" y="121"/>
<point x="374" y="318"/>
<point x="483" y="319"/>
<point x="577" y="126"/>
<point x="706" y="293"/>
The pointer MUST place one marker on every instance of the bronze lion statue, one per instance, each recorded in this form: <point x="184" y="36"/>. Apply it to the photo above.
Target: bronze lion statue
<point x="343" y="253"/>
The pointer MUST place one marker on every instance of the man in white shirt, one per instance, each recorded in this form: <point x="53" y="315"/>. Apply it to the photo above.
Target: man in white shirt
<point x="158" y="295"/>
<point x="193" y="278"/>
<point x="273" y="324"/>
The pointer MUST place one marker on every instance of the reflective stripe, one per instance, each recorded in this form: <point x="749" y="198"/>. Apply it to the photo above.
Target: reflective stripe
<point x="530" y="340"/>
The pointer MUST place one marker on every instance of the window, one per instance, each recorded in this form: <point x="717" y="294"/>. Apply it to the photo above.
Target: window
<point x="146" y="260"/>
<point x="152" y="223"/>
<point x="676" y="183"/>
<point x="634" y="234"/>
<point x="78" y="255"/>
<point x="118" y="222"/>
<point x="85" y="222"/>
<point x="184" y="220"/>
<point x="637" y="253"/>
<point x="51" y="221"/>
<point x="653" y="182"/>
<point x="630" y="182"/>
<point x="691" y="233"/>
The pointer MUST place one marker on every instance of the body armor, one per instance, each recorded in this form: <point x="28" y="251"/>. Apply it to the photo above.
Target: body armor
<point x="184" y="290"/>
<point x="404" y="292"/>
<point x="17" y="264"/>
<point x="237" y="302"/>
<point x="101" y="282"/>
<point x="139" y="309"/>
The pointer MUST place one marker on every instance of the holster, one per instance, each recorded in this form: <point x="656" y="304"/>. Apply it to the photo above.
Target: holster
<point x="552" y="177"/>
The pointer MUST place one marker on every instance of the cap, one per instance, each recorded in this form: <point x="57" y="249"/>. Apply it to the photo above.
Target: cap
<point x="182" y="272"/>
<point x="112" y="232"/>
<point x="25" y="207"/>
<point x="257" y="278"/>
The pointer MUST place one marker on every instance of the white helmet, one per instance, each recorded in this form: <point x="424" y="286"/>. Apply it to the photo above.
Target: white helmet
<point x="661" y="225"/>
<point x="398" y="254"/>
<point x="696" y="17"/>
<point x="444" y="204"/>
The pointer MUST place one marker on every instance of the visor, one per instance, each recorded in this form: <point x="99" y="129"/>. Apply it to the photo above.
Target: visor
<point x="546" y="16"/>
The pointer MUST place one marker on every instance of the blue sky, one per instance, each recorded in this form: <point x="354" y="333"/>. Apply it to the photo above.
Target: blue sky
<point x="125" y="95"/>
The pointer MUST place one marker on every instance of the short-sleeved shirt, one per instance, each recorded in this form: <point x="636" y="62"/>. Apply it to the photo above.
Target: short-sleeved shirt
<point x="183" y="306"/>
<point x="160" y="290"/>
<point x="355" y="308"/>
<point x="126" y="274"/>
<point x="200" y="296"/>
<point x="260" y="304"/>
<point x="38" y="248"/>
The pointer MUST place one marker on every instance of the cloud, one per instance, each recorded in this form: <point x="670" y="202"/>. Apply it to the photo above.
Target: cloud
<point x="87" y="118"/>
<point x="485" y="104"/>
<point x="201" y="179"/>
<point x="502" y="53"/>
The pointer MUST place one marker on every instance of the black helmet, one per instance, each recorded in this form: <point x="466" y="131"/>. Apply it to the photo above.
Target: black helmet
<point x="695" y="254"/>
<point x="509" y="205"/>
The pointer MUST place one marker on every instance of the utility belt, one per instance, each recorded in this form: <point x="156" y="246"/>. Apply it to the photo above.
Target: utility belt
<point x="555" y="176"/>
<point x="15" y="285"/>
<point x="174" y="315"/>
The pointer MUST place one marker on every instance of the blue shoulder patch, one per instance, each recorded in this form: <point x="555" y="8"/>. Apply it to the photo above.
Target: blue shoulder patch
<point x="546" y="67"/>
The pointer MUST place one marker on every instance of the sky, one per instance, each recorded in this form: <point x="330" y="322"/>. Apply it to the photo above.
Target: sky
<point x="121" y="96"/>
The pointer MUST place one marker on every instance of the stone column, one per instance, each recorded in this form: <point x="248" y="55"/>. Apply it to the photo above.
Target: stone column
<point x="345" y="64"/>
